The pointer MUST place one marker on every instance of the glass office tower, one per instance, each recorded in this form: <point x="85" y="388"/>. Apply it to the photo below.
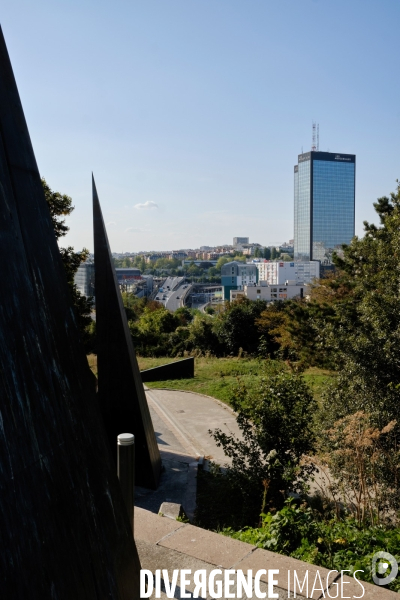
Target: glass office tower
<point x="324" y="199"/>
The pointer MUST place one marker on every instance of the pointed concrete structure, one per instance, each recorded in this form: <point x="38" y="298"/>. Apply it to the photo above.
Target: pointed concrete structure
<point x="121" y="394"/>
<point x="64" y="529"/>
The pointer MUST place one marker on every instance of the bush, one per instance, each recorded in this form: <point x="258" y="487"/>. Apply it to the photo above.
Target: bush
<point x="334" y="544"/>
<point x="276" y="421"/>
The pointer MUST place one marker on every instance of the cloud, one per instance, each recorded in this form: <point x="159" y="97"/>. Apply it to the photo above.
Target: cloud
<point x="134" y="230"/>
<point x="147" y="205"/>
<point x="110" y="223"/>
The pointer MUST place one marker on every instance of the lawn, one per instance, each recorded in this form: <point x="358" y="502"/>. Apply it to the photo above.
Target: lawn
<point x="216" y="377"/>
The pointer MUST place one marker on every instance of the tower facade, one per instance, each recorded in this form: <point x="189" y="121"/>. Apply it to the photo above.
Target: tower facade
<point x="324" y="203"/>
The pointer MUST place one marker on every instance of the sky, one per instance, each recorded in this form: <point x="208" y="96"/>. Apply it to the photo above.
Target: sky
<point x="191" y="113"/>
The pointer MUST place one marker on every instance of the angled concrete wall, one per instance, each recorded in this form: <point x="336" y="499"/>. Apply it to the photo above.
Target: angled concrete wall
<point x="180" y="369"/>
<point x="64" y="529"/>
<point x="121" y="394"/>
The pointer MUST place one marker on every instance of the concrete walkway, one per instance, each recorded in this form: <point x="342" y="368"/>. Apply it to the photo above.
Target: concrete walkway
<point x="184" y="419"/>
<point x="181" y="422"/>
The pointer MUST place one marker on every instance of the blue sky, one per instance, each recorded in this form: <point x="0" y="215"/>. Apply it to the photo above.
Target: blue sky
<point x="191" y="113"/>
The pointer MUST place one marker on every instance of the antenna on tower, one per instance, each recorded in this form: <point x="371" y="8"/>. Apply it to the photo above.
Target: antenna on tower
<point x="315" y="137"/>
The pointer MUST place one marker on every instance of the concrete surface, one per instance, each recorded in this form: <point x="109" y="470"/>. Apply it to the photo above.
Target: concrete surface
<point x="202" y="544"/>
<point x="189" y="416"/>
<point x="172" y="510"/>
<point x="165" y="544"/>
<point x="181" y="421"/>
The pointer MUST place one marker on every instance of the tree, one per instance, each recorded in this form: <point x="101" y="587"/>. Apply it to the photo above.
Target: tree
<point x="276" y="422"/>
<point x="357" y="321"/>
<point x="60" y="205"/>
<point x="365" y="335"/>
<point x="267" y="253"/>
<point x="202" y="337"/>
<point x="237" y="326"/>
<point x="240" y="258"/>
<point x="274" y="253"/>
<point x="273" y="327"/>
<point x="222" y="261"/>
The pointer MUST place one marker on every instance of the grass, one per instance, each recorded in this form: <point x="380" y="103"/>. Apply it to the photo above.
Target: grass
<point x="92" y="360"/>
<point x="214" y="377"/>
<point x="217" y="377"/>
<point x="318" y="379"/>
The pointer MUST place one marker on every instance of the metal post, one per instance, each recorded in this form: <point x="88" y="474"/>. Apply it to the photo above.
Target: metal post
<point x="126" y="470"/>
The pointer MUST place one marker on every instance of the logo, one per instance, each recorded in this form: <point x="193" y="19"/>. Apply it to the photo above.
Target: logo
<point x="382" y="567"/>
<point x="339" y="157"/>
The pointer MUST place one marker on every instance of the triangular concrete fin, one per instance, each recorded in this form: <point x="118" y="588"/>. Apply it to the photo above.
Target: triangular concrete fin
<point x="64" y="528"/>
<point x="120" y="389"/>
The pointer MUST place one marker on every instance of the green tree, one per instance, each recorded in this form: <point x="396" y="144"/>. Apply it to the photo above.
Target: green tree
<point x="276" y="422"/>
<point x="237" y="327"/>
<point x="202" y="336"/>
<point x="365" y="335"/>
<point x="274" y="253"/>
<point x="60" y="205"/>
<point x="267" y="253"/>
<point x="240" y="258"/>
<point x="222" y="261"/>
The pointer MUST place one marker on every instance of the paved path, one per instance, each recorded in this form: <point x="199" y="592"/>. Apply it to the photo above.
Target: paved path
<point x="181" y="422"/>
<point x="184" y="419"/>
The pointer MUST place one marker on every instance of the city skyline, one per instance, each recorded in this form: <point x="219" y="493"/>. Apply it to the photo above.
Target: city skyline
<point x="191" y="116"/>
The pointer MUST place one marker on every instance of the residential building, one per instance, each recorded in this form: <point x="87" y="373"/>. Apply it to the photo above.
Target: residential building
<point x="235" y="275"/>
<point x="153" y="257"/>
<point x="278" y="272"/>
<point x="198" y="262"/>
<point x="238" y="241"/>
<point x="127" y="276"/>
<point x="270" y="293"/>
<point x="84" y="279"/>
<point x="177" y="255"/>
<point x="324" y="202"/>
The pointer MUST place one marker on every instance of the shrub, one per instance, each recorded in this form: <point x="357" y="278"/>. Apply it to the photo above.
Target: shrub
<point x="334" y="544"/>
<point x="276" y="422"/>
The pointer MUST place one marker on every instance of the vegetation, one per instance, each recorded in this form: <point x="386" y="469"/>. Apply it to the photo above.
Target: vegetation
<point x="302" y="532"/>
<point x="244" y="327"/>
<point x="351" y="324"/>
<point x="219" y="377"/>
<point x="266" y="461"/>
<point x="316" y="386"/>
<point x="60" y="205"/>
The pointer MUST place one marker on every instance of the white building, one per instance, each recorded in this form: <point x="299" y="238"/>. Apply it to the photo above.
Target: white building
<point x="270" y="293"/>
<point x="277" y="273"/>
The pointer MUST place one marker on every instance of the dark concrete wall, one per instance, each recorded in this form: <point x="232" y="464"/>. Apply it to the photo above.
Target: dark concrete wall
<point x="181" y="369"/>
<point x="121" y="394"/>
<point x="64" y="529"/>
